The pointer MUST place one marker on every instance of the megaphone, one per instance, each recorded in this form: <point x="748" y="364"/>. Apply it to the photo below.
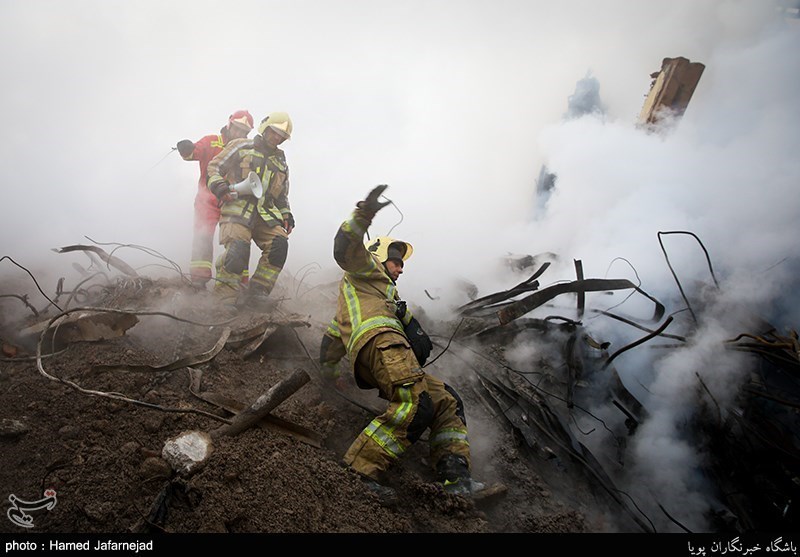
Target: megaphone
<point x="249" y="186"/>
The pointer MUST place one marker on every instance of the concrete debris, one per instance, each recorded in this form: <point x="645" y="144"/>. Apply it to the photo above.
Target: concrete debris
<point x="10" y="428"/>
<point x="154" y="467"/>
<point x="84" y="326"/>
<point x="187" y="452"/>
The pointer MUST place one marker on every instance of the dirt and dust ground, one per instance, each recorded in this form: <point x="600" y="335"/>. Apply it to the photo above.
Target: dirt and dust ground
<point x="103" y="456"/>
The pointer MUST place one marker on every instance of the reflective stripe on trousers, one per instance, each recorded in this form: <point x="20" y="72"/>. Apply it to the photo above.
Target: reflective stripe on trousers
<point x="383" y="433"/>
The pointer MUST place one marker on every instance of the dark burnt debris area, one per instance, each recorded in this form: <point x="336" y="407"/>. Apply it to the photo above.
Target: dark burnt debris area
<point x="134" y="404"/>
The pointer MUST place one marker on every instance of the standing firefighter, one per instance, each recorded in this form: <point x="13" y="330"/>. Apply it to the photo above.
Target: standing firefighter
<point x="266" y="219"/>
<point x="386" y="346"/>
<point x="206" y="206"/>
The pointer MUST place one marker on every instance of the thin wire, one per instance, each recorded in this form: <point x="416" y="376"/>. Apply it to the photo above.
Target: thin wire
<point x="149" y="251"/>
<point x="398" y="210"/>
<point x="675" y="276"/>
<point x="448" y="343"/>
<point x="113" y="395"/>
<point x="571" y="415"/>
<point x="523" y="374"/>
<point x="629" y="264"/>
<point x="146" y="172"/>
<point x="308" y="271"/>
<point x="24" y="300"/>
<point x="774" y="265"/>
<point x="638" y="283"/>
<point x="685" y="529"/>
<point x="34" y="280"/>
<point x="636" y="343"/>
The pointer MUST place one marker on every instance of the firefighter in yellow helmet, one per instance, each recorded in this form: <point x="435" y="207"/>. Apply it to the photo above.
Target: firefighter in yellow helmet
<point x="264" y="216"/>
<point x="387" y="347"/>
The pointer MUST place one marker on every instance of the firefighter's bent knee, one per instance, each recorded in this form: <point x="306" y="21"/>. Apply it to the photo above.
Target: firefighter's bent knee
<point x="236" y="256"/>
<point x="422" y="419"/>
<point x="278" y="251"/>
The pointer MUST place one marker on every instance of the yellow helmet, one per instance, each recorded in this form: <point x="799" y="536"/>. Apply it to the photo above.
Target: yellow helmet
<point x="279" y="122"/>
<point x="388" y="248"/>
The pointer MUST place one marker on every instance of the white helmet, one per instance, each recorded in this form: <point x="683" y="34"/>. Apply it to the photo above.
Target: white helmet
<point x="388" y="248"/>
<point x="278" y="122"/>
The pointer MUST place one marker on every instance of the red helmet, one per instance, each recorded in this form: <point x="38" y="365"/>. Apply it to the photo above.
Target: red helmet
<point x="241" y="118"/>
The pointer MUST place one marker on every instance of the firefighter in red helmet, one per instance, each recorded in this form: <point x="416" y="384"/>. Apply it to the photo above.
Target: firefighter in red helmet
<point x="206" y="206"/>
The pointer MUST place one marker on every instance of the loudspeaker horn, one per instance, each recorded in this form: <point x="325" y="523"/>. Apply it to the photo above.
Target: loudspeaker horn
<point x="249" y="186"/>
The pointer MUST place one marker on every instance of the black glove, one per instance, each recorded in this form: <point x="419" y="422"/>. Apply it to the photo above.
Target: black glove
<point x="371" y="204"/>
<point x="219" y="189"/>
<point x="420" y="341"/>
<point x="288" y="222"/>
<point x="185" y="148"/>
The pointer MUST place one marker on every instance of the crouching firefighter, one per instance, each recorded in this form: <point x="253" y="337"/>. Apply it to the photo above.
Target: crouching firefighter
<point x="261" y="214"/>
<point x="386" y="347"/>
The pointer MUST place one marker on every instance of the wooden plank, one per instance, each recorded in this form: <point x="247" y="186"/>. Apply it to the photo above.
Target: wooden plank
<point x="274" y="423"/>
<point x="671" y="90"/>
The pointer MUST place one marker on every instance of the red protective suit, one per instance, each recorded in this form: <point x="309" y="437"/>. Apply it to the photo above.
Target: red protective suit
<point x="206" y="209"/>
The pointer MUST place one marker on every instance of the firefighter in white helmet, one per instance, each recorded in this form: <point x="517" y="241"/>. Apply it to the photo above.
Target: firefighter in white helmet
<point x="387" y="347"/>
<point x="267" y="219"/>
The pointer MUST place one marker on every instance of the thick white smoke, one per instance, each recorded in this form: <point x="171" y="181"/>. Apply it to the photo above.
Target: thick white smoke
<point x="726" y="173"/>
<point x="455" y="105"/>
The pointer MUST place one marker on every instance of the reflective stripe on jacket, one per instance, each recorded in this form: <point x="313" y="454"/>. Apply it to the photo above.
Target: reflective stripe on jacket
<point x="367" y="295"/>
<point x="205" y="149"/>
<point x="234" y="163"/>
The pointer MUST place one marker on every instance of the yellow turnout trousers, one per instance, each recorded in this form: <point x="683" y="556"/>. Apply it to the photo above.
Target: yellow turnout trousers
<point x="417" y="401"/>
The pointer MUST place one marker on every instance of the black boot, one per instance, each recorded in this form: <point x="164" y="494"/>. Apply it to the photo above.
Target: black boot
<point x="453" y="472"/>
<point x="386" y="495"/>
<point x="256" y="298"/>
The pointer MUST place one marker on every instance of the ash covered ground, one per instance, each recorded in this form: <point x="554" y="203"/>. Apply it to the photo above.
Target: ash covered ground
<point x="103" y="456"/>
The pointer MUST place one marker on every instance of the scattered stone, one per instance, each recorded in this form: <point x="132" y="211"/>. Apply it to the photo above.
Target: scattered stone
<point x="98" y="512"/>
<point x="11" y="428"/>
<point x="115" y="406"/>
<point x="69" y="431"/>
<point x="152" y="424"/>
<point x="129" y="448"/>
<point x="147" y="453"/>
<point x="154" y="467"/>
<point x="325" y="411"/>
<point x="104" y="427"/>
<point x="152" y="397"/>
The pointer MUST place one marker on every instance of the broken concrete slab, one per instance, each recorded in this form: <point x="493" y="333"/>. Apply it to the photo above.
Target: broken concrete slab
<point x="187" y="452"/>
<point x="83" y="326"/>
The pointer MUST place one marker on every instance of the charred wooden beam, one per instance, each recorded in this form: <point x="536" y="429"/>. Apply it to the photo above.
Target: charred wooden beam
<point x="525" y="415"/>
<point x="529" y="303"/>
<point x="265" y="404"/>
<point x="671" y="90"/>
<point x="233" y="406"/>
<point x="527" y="285"/>
<point x="581" y="293"/>
<point x="109" y="259"/>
